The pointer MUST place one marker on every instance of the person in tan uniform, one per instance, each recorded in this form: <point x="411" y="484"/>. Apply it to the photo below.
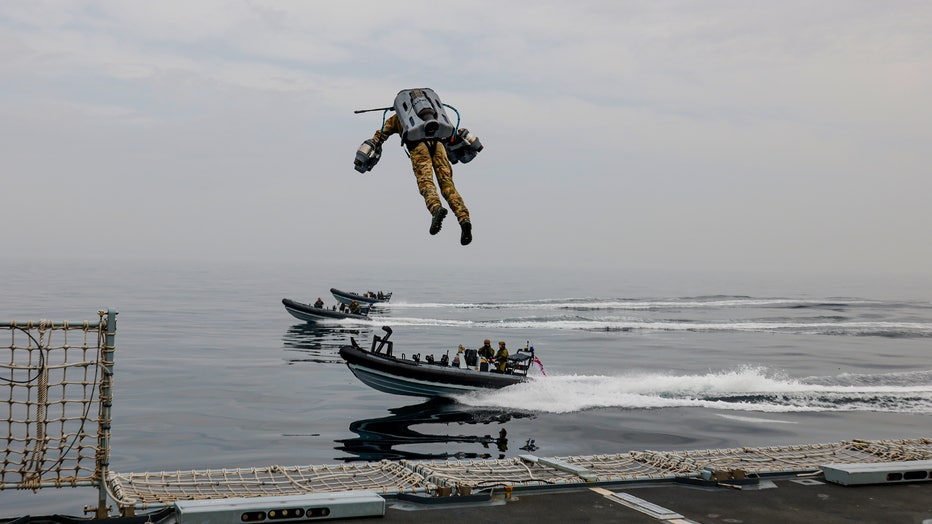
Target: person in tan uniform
<point x="354" y="307"/>
<point x="429" y="158"/>
<point x="486" y="350"/>
<point x="501" y="356"/>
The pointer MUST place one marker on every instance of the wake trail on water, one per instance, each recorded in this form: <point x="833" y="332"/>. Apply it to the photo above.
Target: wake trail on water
<point x="745" y="389"/>
<point x="638" y="304"/>
<point x="840" y="328"/>
<point x="709" y="314"/>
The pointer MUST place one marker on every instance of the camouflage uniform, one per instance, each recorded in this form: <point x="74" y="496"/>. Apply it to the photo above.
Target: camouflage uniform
<point x="429" y="157"/>
<point x="501" y="356"/>
<point x="486" y="350"/>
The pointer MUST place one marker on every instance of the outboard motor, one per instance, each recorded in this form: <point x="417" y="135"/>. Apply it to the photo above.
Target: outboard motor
<point x="367" y="156"/>
<point x="422" y="115"/>
<point x="464" y="146"/>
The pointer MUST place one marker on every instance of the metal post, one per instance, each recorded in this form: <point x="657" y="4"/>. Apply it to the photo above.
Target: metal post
<point x="106" y="401"/>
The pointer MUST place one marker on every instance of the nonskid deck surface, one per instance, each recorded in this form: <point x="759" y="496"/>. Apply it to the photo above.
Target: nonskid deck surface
<point x="527" y="472"/>
<point x="781" y="501"/>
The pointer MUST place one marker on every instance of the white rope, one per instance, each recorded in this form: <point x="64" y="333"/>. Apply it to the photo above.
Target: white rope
<point x="46" y="444"/>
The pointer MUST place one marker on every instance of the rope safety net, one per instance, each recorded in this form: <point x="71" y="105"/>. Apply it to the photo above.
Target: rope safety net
<point x="157" y="489"/>
<point x="55" y="417"/>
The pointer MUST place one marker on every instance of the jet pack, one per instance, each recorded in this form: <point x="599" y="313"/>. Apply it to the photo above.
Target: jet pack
<point x="422" y="115"/>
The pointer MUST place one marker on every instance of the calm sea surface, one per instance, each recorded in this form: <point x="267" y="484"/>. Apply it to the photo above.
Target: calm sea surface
<point x="212" y="372"/>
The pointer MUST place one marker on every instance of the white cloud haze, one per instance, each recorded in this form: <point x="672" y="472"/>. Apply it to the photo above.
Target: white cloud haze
<point x="781" y="136"/>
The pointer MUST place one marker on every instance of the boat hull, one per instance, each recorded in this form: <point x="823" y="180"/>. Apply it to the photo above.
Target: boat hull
<point x="406" y="377"/>
<point x="347" y="296"/>
<point x="309" y="313"/>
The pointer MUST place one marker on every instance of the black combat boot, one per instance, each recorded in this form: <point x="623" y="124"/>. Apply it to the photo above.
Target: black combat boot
<point x="466" y="234"/>
<point x="437" y="220"/>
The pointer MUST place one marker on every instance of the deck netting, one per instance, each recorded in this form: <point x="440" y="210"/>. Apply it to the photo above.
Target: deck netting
<point x="145" y="490"/>
<point x="485" y="473"/>
<point x="896" y="450"/>
<point x="621" y="467"/>
<point x="54" y="405"/>
<point x="762" y="460"/>
<point x="149" y="490"/>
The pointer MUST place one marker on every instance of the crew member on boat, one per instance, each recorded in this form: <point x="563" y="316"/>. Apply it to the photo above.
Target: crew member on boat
<point x="319" y="304"/>
<point x="459" y="361"/>
<point x="354" y="307"/>
<point x="501" y="356"/>
<point x="486" y="350"/>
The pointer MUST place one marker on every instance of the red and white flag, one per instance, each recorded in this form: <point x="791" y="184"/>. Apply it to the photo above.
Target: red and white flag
<point x="537" y="363"/>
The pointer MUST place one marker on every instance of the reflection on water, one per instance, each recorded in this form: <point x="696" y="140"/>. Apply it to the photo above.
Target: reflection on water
<point x="380" y="438"/>
<point x="318" y="342"/>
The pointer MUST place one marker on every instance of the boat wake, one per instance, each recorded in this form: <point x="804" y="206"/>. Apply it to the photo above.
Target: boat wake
<point x="749" y="389"/>
<point x="711" y="314"/>
<point x="818" y="326"/>
<point x="658" y="304"/>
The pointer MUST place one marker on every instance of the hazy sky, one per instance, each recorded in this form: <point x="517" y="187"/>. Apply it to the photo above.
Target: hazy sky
<point x="791" y="135"/>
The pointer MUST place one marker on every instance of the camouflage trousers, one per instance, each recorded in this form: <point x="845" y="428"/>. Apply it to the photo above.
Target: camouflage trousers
<point x="425" y="166"/>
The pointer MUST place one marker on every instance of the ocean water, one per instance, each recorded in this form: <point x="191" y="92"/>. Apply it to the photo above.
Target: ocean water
<point x="212" y="372"/>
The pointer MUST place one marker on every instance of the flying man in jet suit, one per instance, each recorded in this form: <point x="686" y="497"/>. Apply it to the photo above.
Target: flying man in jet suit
<point x="431" y="140"/>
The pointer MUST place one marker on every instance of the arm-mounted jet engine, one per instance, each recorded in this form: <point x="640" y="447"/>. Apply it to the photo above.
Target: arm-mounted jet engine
<point x="463" y="147"/>
<point x="367" y="156"/>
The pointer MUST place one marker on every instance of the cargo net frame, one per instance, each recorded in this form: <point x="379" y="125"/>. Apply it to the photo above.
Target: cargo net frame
<point x="56" y="379"/>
